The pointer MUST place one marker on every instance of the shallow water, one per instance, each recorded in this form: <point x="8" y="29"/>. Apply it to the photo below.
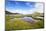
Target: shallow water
<point x="27" y="19"/>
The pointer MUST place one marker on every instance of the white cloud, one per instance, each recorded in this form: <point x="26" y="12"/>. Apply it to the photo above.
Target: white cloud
<point x="28" y="4"/>
<point x="21" y="11"/>
<point x="14" y="11"/>
<point x="39" y="7"/>
<point x="27" y="12"/>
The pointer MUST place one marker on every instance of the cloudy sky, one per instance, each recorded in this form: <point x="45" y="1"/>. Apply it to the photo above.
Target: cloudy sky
<point x="23" y="7"/>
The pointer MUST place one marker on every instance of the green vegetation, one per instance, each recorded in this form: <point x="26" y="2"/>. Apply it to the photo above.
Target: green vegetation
<point x="19" y="16"/>
<point x="18" y="24"/>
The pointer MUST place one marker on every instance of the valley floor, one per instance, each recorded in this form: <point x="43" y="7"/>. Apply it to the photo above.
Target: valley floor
<point x="15" y="23"/>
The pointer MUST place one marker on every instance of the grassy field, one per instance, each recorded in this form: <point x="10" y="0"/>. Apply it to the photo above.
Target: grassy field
<point x="18" y="24"/>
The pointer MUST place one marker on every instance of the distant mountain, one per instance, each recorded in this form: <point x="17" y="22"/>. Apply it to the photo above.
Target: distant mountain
<point x="7" y="12"/>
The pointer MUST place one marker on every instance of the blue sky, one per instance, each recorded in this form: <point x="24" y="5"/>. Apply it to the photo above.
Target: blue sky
<point x="23" y="7"/>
